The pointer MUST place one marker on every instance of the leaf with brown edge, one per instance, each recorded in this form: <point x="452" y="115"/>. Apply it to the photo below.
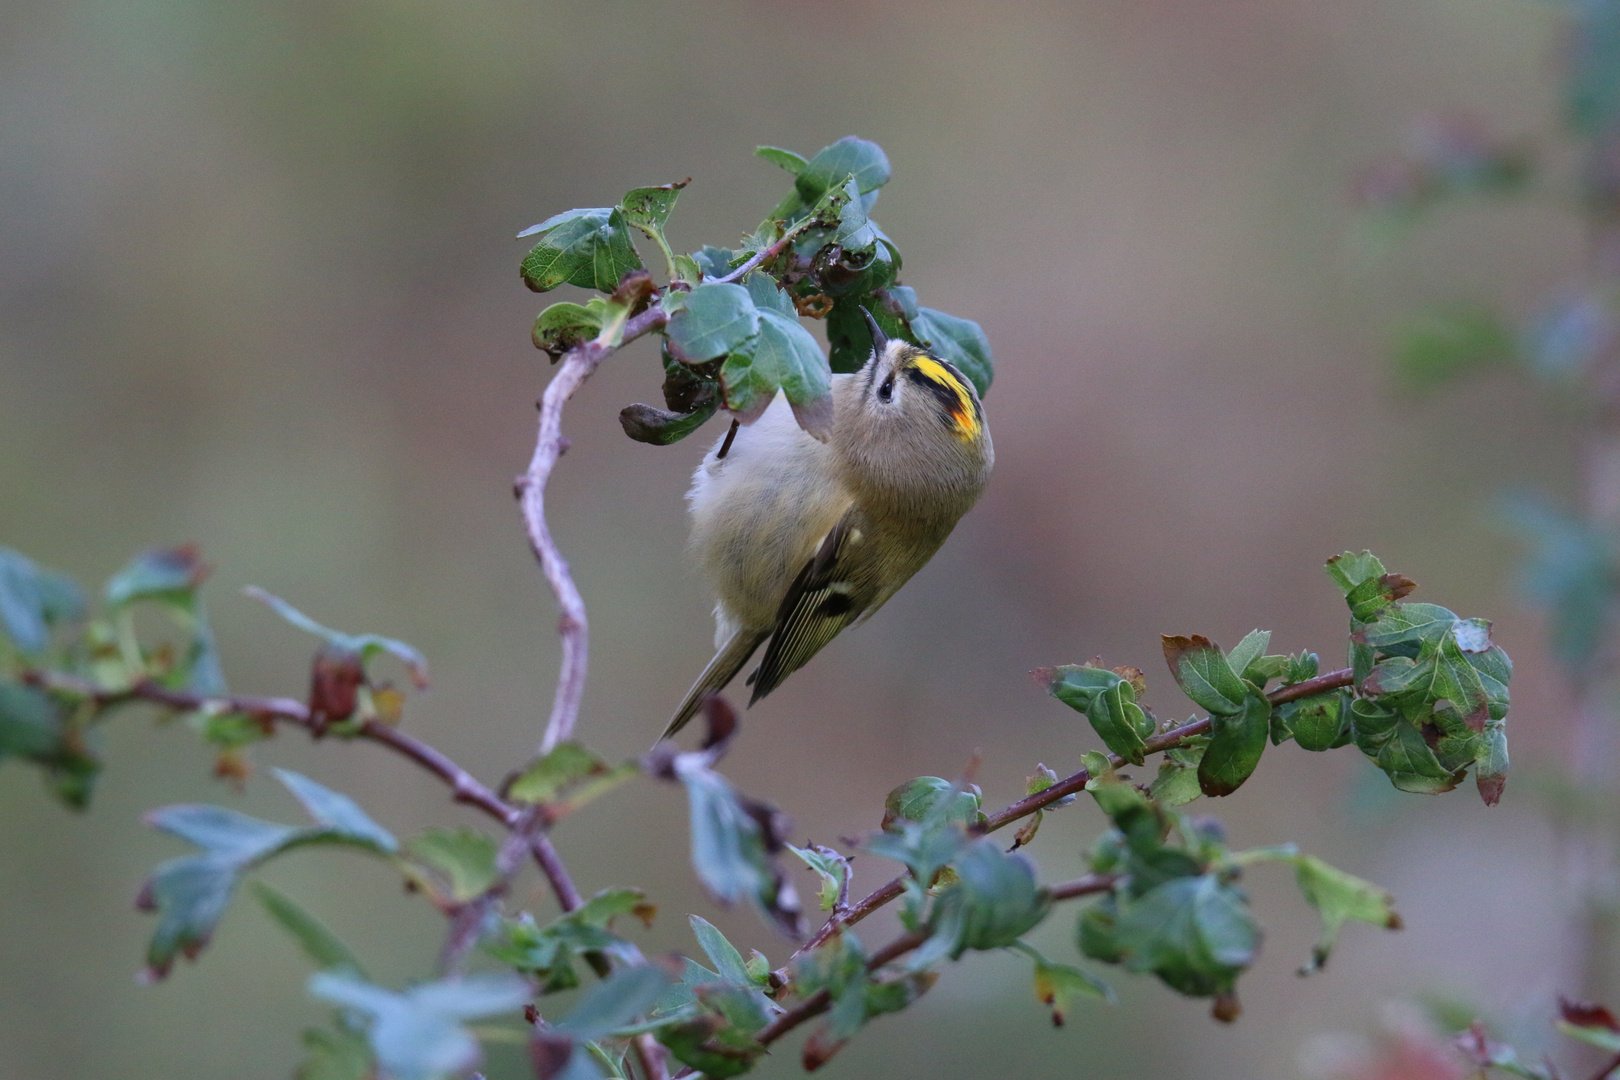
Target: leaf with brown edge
<point x="334" y="684"/>
<point x="1201" y="670"/>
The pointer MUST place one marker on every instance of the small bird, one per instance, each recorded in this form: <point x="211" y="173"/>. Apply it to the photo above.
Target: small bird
<point x="802" y="538"/>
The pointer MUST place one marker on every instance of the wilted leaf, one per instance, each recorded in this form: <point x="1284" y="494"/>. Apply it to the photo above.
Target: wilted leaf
<point x="833" y="870"/>
<point x="1108" y="700"/>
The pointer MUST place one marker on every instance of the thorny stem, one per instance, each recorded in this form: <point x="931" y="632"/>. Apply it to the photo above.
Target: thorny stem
<point x="1023" y="808"/>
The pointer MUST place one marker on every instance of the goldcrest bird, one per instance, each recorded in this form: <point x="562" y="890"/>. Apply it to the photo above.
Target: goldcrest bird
<point x="802" y="538"/>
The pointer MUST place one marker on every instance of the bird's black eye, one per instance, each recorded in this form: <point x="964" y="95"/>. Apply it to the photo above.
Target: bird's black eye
<point x="886" y="391"/>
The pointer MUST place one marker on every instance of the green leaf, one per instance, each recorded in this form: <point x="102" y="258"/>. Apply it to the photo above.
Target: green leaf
<point x="710" y="321"/>
<point x="851" y="157"/>
<point x="1235" y="745"/>
<point x="1058" y="985"/>
<point x="337" y="813"/>
<point x="996" y="899"/>
<point x="569" y="769"/>
<point x="649" y="207"/>
<point x="930" y="798"/>
<point x="615" y="1002"/>
<point x="32" y="600"/>
<point x="589" y="248"/>
<point x="464" y="857"/>
<point x="833" y="870"/>
<point x="1176" y="783"/>
<point x="31" y="723"/>
<point x="849" y="336"/>
<point x="366" y="645"/>
<point x="1203" y="674"/>
<point x="1319" y="722"/>
<point x="1108" y="701"/>
<point x="960" y="341"/>
<point x="1195" y="933"/>
<point x="1339" y="897"/>
<point x="190" y="893"/>
<point x="731" y="849"/>
<point x="1397" y="747"/>
<point x="1250" y="649"/>
<point x="419" y="1034"/>
<point x="1443" y="345"/>
<point x="714" y="261"/>
<point x="338" y="1053"/>
<point x="768" y="295"/>
<point x="324" y="949"/>
<point x="786" y="159"/>
<point x="727" y="961"/>
<point x="784" y="356"/>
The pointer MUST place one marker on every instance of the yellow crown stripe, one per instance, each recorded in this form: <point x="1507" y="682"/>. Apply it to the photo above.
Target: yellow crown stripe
<point x="964" y="415"/>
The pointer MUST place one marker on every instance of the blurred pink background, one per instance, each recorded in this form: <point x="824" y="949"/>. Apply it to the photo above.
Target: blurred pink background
<point x="258" y="289"/>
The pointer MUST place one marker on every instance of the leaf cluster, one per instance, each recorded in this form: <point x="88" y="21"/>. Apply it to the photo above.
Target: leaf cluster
<point x="732" y="329"/>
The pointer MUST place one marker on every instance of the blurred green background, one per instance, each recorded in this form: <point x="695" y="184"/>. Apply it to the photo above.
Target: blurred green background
<point x="258" y="289"/>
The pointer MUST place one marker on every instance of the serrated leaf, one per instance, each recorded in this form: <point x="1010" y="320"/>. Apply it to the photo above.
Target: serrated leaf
<point x="960" y="341"/>
<point x="589" y="248"/>
<point x="1201" y="670"/>
<point x="727" y="961"/>
<point x="710" y="321"/>
<point x="324" y="948"/>
<point x="768" y="295"/>
<point x="714" y="261"/>
<point x="464" y="857"/>
<point x="859" y="159"/>
<point x="785" y="159"/>
<point x="190" y="893"/>
<point x="1247" y="651"/>
<point x="419" y="1034"/>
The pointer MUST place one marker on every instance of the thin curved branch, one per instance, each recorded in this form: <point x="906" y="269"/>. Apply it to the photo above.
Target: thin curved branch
<point x="577" y="365"/>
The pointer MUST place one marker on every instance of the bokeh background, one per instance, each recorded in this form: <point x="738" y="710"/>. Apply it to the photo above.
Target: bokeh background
<point x="258" y="289"/>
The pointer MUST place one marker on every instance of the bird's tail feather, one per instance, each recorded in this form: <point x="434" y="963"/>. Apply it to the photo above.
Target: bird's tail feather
<point x="721" y="670"/>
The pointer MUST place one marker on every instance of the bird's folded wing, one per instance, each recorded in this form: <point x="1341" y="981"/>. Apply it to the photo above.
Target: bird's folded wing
<point x="827" y="596"/>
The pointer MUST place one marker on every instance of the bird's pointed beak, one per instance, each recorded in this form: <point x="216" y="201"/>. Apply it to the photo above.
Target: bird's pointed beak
<point x="880" y="340"/>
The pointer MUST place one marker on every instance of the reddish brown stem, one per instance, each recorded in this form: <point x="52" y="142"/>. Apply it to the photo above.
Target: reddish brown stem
<point x="1069" y="785"/>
